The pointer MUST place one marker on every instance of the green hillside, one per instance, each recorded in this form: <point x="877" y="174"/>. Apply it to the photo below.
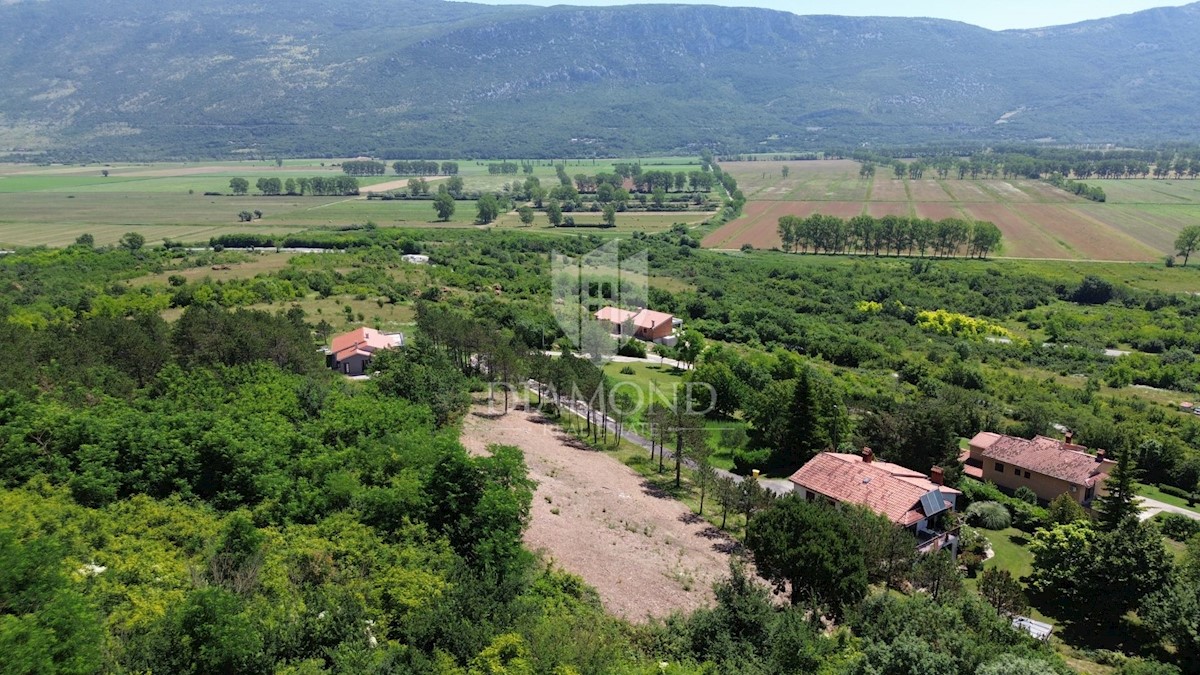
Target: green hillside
<point x="127" y="78"/>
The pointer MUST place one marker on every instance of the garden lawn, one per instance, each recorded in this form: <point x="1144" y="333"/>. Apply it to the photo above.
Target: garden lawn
<point x="1152" y="492"/>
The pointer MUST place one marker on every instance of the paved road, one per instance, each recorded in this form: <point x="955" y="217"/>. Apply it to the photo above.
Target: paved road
<point x="653" y="360"/>
<point x="1151" y="507"/>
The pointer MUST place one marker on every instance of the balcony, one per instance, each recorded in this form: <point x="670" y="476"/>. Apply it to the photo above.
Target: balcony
<point x="929" y="541"/>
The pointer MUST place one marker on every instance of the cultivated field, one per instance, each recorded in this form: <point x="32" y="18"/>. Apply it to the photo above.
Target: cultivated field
<point x="52" y="205"/>
<point x="1139" y="222"/>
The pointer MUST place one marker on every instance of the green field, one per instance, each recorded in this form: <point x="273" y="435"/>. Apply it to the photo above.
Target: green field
<point x="52" y="205"/>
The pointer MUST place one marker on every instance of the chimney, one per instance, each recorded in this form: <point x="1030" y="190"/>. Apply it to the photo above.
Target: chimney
<point x="1099" y="455"/>
<point x="867" y="455"/>
<point x="937" y="476"/>
<point x="1070" y="435"/>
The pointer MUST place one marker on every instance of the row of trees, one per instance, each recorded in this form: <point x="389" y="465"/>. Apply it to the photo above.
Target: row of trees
<point x="888" y="235"/>
<point x="1092" y="192"/>
<point x="418" y="167"/>
<point x="318" y="186"/>
<point x="1029" y="162"/>
<point x="505" y="168"/>
<point x="363" y="167"/>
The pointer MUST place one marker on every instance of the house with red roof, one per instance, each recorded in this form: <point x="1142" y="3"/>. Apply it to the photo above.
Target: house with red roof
<point x="1047" y="466"/>
<point x="350" y="353"/>
<point x="908" y="498"/>
<point x="645" y="324"/>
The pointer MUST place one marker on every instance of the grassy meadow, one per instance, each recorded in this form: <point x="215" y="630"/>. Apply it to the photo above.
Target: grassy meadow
<point x="52" y="205"/>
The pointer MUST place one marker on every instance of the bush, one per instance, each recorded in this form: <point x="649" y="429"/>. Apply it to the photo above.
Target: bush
<point x="1026" y="495"/>
<point x="989" y="515"/>
<point x="1176" y="492"/>
<point x="634" y="348"/>
<point x="1025" y="516"/>
<point x="1177" y="526"/>
<point x="627" y="370"/>
<point x="744" y="461"/>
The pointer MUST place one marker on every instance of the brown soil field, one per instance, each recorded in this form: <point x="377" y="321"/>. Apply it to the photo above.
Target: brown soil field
<point x="938" y="211"/>
<point x="927" y="190"/>
<point x="1037" y="219"/>
<point x="881" y="209"/>
<point x="1044" y="192"/>
<point x="1021" y="238"/>
<point x="1005" y="192"/>
<point x="646" y="554"/>
<point x="1090" y="237"/>
<point x="839" y="209"/>
<point x="888" y="189"/>
<point x="751" y="179"/>
<point x="759" y="226"/>
<point x="966" y="191"/>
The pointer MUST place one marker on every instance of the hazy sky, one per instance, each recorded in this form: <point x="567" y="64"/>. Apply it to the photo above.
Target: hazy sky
<point x="994" y="14"/>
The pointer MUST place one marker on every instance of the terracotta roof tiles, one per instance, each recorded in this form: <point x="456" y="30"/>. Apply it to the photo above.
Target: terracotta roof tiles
<point x="888" y="489"/>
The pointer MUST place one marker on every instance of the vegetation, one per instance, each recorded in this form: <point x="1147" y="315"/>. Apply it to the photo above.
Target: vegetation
<point x="251" y="457"/>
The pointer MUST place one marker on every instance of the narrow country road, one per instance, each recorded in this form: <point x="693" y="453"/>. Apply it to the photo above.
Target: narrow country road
<point x="1152" y="507"/>
<point x="779" y="486"/>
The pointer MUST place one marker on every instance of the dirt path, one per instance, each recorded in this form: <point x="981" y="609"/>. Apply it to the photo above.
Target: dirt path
<point x="645" y="553"/>
<point x="399" y="184"/>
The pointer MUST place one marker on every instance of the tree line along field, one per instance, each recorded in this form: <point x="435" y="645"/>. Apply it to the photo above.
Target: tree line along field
<point x="1138" y="222"/>
<point x="52" y="205"/>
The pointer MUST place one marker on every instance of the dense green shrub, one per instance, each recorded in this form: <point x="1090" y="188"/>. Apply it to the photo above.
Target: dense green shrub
<point x="634" y="348"/>
<point x="1026" y="495"/>
<point x="1025" y="516"/>
<point x="989" y="515"/>
<point x="1177" y="492"/>
<point x="744" y="461"/>
<point x="1177" y="526"/>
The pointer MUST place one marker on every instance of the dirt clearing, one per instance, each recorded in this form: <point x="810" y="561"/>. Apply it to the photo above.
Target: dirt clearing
<point x="645" y="553"/>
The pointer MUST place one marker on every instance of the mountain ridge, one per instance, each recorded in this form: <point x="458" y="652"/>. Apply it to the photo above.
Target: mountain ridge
<point x="130" y="78"/>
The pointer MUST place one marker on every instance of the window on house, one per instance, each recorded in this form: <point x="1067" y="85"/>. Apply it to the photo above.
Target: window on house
<point x="1027" y="474"/>
<point x="999" y="467"/>
<point x="1016" y="471"/>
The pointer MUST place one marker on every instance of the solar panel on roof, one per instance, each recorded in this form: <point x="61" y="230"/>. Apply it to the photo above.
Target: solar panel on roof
<point x="933" y="503"/>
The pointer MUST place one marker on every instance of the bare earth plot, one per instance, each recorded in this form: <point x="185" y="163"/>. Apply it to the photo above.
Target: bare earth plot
<point x="647" y="555"/>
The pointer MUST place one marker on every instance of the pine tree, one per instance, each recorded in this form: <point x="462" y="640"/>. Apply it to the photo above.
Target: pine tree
<point x="1120" y="503"/>
<point x="802" y="419"/>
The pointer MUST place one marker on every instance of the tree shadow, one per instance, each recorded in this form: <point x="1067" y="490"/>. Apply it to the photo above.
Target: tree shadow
<point x="1019" y="539"/>
<point x="690" y="518"/>
<point x="729" y="547"/>
<point x="574" y="443"/>
<point x="658" y="492"/>
<point x="1091" y="623"/>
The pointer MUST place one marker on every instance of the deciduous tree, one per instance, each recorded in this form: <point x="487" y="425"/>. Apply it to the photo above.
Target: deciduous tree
<point x="812" y="548"/>
<point x="444" y="205"/>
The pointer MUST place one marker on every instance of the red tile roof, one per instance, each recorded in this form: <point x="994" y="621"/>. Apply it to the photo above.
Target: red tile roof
<point x="364" y="341"/>
<point x="885" y="488"/>
<point x="1047" y="456"/>
<point x="648" y="318"/>
<point x="614" y="315"/>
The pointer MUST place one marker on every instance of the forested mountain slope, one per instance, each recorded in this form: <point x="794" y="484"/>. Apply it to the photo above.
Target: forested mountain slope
<point x="424" y="77"/>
